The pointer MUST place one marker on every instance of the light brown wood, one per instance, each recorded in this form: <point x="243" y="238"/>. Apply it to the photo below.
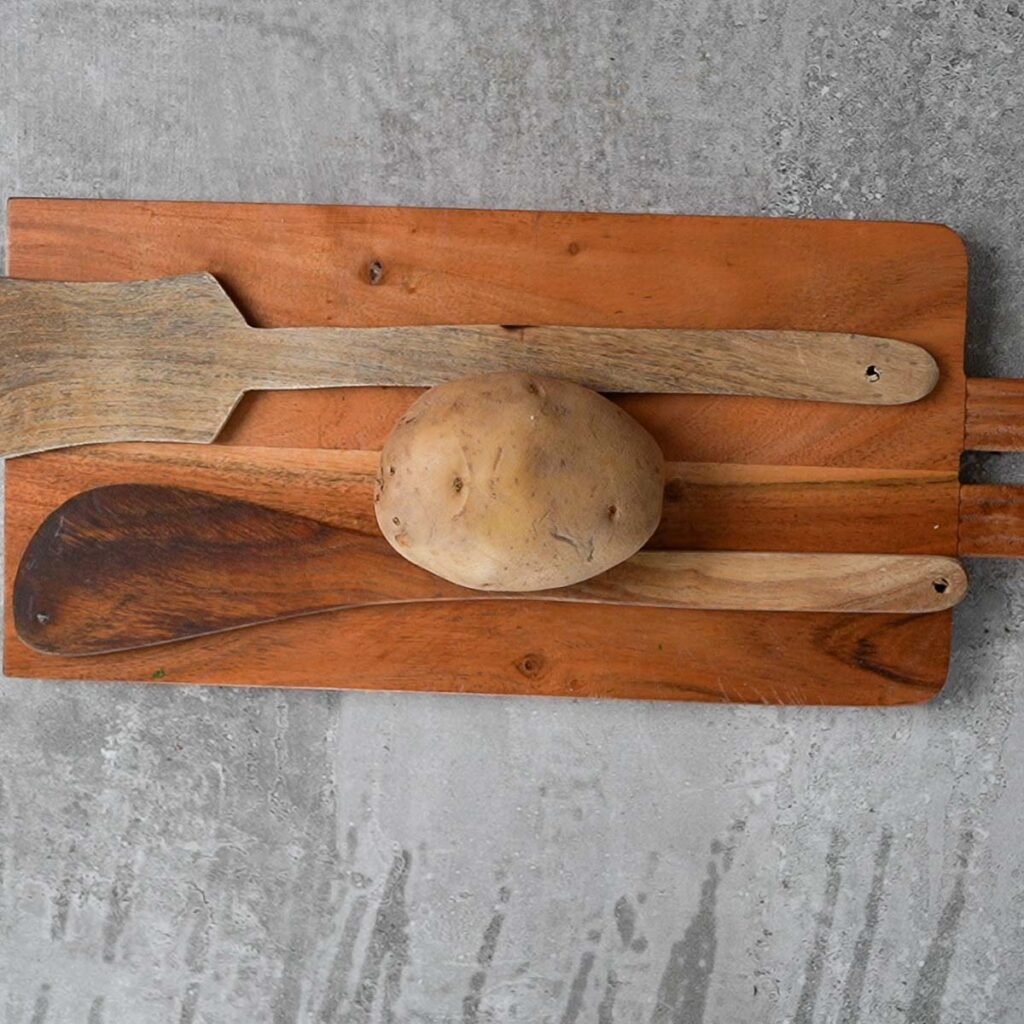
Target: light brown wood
<point x="133" y="565"/>
<point x="817" y="366"/>
<point x="995" y="415"/>
<point x="168" y="360"/>
<point x="308" y="265"/>
<point x="774" y="582"/>
<point x="992" y="521"/>
<point x="314" y="265"/>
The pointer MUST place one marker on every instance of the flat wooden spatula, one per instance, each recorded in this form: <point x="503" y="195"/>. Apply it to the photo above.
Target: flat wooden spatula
<point x="168" y="360"/>
<point x="133" y="565"/>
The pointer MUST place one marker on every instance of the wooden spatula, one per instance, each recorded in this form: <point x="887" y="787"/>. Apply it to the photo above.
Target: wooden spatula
<point x="168" y="360"/>
<point x="134" y="565"/>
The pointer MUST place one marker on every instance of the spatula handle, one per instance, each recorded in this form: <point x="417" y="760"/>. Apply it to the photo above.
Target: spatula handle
<point x="813" y="366"/>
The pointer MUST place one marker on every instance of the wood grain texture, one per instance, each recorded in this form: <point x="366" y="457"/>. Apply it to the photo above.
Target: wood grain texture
<point x="992" y="521"/>
<point x="132" y="565"/>
<point x="168" y="360"/>
<point x="511" y="649"/>
<point x="717" y="506"/>
<point x="594" y="651"/>
<point x="309" y="266"/>
<point x="707" y="506"/>
<point x="815" y="366"/>
<point x="655" y="654"/>
<point x="995" y="415"/>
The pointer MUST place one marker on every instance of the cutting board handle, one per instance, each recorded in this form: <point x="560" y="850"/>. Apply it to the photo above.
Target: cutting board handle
<point x="995" y="415"/>
<point x="992" y="515"/>
<point x="992" y="521"/>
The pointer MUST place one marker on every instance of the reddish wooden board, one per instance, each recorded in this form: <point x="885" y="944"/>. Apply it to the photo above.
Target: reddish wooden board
<point x="751" y="473"/>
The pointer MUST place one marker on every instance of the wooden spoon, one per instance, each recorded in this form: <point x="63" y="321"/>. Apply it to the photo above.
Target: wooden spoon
<point x="132" y="565"/>
<point x="168" y="360"/>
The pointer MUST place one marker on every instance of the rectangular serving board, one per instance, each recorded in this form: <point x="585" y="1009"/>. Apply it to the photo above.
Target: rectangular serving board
<point x="745" y="473"/>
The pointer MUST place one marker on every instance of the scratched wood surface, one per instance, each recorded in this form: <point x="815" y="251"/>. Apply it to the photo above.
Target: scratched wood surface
<point x="168" y="360"/>
<point x="749" y="473"/>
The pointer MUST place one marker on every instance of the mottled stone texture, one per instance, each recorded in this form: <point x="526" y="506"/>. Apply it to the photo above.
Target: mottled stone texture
<point x="203" y="855"/>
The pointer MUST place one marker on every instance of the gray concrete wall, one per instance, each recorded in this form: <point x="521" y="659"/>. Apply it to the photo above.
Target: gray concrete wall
<point x="202" y="855"/>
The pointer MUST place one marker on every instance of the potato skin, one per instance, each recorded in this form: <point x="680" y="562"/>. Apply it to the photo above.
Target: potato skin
<point x="515" y="482"/>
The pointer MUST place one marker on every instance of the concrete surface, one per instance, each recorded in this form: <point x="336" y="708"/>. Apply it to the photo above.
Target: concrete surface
<point x="195" y="855"/>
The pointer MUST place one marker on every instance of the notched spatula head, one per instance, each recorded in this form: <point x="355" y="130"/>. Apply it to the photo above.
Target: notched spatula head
<point x="168" y="360"/>
<point x="85" y="362"/>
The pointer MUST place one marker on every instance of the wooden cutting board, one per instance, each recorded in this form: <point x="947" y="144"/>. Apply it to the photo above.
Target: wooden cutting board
<point x="746" y="474"/>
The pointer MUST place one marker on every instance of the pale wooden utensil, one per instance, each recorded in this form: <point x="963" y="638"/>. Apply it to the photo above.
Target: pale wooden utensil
<point x="133" y="565"/>
<point x="168" y="360"/>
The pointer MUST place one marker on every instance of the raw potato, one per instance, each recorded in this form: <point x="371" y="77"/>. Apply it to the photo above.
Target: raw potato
<point x="515" y="482"/>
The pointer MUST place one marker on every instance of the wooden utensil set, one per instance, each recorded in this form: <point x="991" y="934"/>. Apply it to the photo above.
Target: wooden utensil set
<point x="134" y="565"/>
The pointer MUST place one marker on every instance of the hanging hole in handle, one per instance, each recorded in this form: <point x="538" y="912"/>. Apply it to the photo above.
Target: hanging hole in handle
<point x="941" y="585"/>
<point x="873" y="374"/>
